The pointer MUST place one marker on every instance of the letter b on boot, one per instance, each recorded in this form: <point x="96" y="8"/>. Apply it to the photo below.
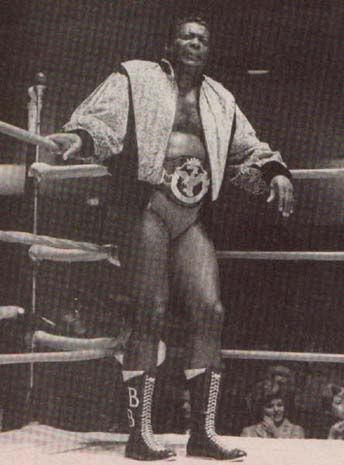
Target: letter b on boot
<point x="131" y="419"/>
<point x="133" y="403"/>
<point x="133" y="399"/>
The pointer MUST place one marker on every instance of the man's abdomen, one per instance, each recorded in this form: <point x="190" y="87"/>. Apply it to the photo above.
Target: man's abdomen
<point x="182" y="144"/>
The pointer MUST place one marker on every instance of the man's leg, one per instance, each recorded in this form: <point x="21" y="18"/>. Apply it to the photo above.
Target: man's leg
<point x="197" y="277"/>
<point x="147" y="263"/>
<point x="147" y="285"/>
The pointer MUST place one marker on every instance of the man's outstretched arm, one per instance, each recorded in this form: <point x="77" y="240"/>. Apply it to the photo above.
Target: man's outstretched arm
<point x="97" y="127"/>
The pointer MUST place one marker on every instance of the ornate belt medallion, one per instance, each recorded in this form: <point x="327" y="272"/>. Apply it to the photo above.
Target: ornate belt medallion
<point x="189" y="182"/>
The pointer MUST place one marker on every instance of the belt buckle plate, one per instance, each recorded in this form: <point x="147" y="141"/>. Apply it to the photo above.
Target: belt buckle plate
<point x="189" y="182"/>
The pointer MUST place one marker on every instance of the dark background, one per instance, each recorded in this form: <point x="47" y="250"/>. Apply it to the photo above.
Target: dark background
<point x="297" y="107"/>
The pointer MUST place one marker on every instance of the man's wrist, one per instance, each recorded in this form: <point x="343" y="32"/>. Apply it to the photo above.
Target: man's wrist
<point x="87" y="144"/>
<point x="272" y="169"/>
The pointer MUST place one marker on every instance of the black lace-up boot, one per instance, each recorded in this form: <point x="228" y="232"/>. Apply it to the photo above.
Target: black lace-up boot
<point x="141" y="444"/>
<point x="204" y="442"/>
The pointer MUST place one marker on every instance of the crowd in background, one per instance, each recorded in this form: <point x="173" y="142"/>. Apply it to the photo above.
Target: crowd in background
<point x="272" y="400"/>
<point x="270" y="405"/>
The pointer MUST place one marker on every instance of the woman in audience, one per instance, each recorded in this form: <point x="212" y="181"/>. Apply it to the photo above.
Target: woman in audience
<point x="333" y="402"/>
<point x="270" y="406"/>
<point x="279" y="377"/>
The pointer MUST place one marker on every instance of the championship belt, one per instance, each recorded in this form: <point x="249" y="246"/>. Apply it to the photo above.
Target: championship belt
<point x="189" y="182"/>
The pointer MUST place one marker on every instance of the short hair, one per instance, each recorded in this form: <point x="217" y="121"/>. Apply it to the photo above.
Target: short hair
<point x="281" y="370"/>
<point x="264" y="392"/>
<point x="328" y="394"/>
<point x="179" y="21"/>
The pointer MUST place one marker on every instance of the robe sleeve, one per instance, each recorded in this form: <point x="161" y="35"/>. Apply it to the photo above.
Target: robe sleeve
<point x="252" y="163"/>
<point x="104" y="117"/>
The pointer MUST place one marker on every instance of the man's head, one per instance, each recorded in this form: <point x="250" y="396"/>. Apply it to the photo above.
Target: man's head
<point x="333" y="400"/>
<point x="280" y="375"/>
<point x="188" y="43"/>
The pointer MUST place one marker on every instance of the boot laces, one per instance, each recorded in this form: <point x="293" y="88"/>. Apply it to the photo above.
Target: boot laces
<point x="209" y="425"/>
<point x="210" y="429"/>
<point x="146" y="424"/>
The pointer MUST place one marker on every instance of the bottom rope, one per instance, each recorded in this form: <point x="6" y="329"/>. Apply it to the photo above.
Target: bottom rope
<point x="85" y="355"/>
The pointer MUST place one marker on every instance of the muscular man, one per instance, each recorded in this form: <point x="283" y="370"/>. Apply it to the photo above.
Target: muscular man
<point x="186" y="134"/>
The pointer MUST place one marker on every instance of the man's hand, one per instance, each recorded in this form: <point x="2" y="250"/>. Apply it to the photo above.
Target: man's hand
<point x="282" y="189"/>
<point x="69" y="144"/>
<point x="270" y="427"/>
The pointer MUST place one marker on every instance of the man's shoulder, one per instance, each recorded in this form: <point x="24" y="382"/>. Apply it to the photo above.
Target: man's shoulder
<point x="140" y="66"/>
<point x="219" y="88"/>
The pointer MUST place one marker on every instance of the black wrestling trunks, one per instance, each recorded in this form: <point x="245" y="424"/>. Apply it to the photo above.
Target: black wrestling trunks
<point x="177" y="200"/>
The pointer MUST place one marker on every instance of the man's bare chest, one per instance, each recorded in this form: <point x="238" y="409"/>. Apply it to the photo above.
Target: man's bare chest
<point x="187" y="118"/>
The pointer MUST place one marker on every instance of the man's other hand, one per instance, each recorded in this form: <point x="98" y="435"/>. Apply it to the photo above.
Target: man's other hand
<point x="282" y="190"/>
<point x="69" y="144"/>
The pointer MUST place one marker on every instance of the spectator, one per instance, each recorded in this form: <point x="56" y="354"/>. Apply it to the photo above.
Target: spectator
<point x="280" y="377"/>
<point x="271" y="405"/>
<point x="333" y="401"/>
<point x="277" y="377"/>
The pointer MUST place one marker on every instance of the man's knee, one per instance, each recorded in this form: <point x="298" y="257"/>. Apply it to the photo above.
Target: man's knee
<point x="218" y="311"/>
<point x="209" y="313"/>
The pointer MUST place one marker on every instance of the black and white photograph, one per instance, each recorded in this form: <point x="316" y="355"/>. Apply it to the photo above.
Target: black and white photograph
<point x="172" y="232"/>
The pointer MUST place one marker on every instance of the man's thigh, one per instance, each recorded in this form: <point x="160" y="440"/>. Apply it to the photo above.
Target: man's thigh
<point x="195" y="269"/>
<point x="144" y="258"/>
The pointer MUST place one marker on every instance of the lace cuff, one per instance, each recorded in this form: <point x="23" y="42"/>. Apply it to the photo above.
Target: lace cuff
<point x="249" y="179"/>
<point x="105" y="143"/>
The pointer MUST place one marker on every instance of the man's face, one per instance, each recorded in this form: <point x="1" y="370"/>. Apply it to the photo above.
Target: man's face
<point x="190" y="46"/>
<point x="338" y="405"/>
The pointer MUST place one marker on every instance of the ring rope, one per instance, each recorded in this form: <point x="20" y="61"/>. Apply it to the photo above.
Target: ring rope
<point x="44" y="252"/>
<point x="62" y="250"/>
<point x="280" y="255"/>
<point x="40" y="171"/>
<point x="10" y="312"/>
<point x="45" y="171"/>
<point x="321" y="173"/>
<point x="85" y="355"/>
<point x="286" y="356"/>
<point x="49" y="357"/>
<point x="31" y="239"/>
<point x="103" y="250"/>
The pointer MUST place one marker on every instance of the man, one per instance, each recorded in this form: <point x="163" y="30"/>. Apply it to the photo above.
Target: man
<point x="187" y="134"/>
